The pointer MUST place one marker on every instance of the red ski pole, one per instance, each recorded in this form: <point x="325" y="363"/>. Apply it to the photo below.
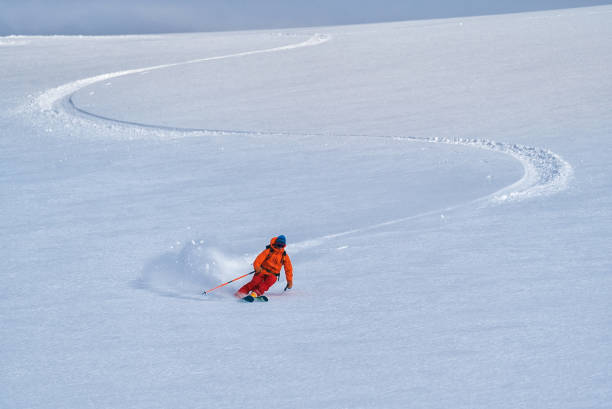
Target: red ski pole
<point x="221" y="285"/>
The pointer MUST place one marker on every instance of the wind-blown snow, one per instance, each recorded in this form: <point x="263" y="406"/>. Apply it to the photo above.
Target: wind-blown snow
<point x="444" y="186"/>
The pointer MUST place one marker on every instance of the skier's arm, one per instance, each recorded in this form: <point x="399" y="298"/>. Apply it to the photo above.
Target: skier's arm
<point x="288" y="272"/>
<point x="258" y="260"/>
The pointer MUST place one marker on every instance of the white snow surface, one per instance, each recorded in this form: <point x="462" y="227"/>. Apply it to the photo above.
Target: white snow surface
<point x="445" y="187"/>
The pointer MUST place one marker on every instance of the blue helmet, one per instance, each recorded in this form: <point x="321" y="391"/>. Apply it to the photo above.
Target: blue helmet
<point x="281" y="241"/>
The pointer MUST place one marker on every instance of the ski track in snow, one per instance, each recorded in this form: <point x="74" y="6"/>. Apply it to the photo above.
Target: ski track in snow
<point x="48" y="100"/>
<point x="545" y="172"/>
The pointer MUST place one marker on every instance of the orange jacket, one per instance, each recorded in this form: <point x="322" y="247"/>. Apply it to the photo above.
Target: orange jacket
<point x="272" y="259"/>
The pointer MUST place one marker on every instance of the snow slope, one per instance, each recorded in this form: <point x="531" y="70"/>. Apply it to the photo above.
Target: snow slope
<point x="444" y="186"/>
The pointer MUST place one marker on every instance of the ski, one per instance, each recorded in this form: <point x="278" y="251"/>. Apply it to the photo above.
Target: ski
<point x="250" y="298"/>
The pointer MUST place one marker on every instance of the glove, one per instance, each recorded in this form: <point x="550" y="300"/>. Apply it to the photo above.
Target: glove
<point x="289" y="285"/>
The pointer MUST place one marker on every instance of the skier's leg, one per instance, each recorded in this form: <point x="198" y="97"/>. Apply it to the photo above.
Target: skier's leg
<point x="250" y="286"/>
<point x="265" y="284"/>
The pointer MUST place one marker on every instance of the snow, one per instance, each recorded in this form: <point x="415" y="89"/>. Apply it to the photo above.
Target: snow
<point x="444" y="185"/>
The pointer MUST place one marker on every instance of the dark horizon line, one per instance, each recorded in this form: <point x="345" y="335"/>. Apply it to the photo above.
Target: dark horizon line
<point x="289" y="26"/>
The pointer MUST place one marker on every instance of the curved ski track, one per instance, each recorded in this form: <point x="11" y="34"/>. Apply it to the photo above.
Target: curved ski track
<point x="545" y="172"/>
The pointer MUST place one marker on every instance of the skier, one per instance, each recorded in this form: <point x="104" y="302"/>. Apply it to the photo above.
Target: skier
<point x="267" y="266"/>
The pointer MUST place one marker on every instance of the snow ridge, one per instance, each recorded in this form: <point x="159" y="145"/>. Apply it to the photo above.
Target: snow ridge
<point x="12" y="41"/>
<point x="546" y="172"/>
